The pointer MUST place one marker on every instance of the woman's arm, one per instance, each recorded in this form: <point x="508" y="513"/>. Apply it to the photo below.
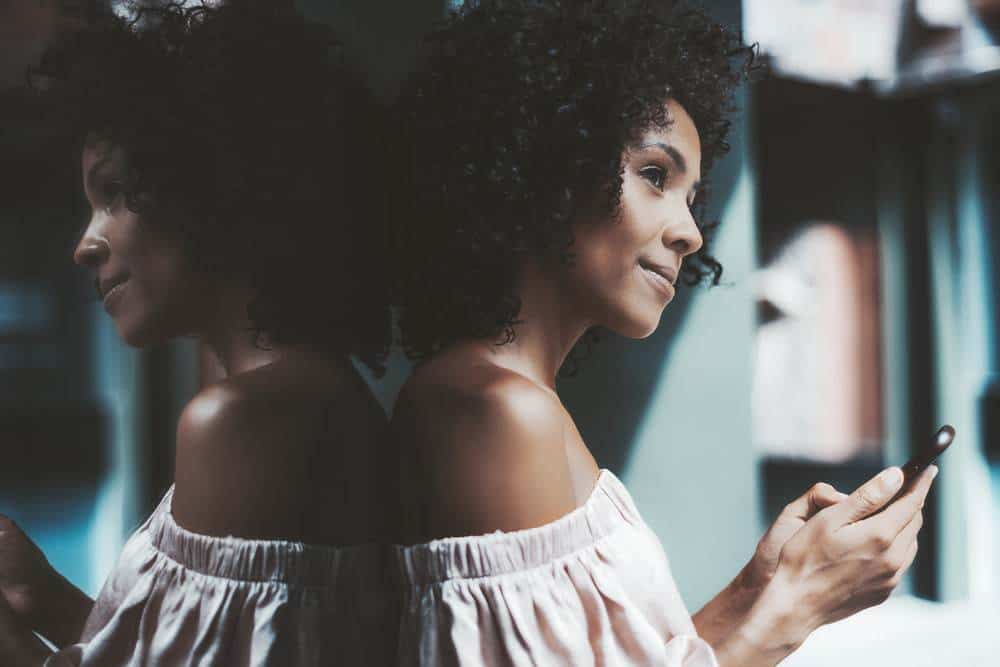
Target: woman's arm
<point x="722" y="615"/>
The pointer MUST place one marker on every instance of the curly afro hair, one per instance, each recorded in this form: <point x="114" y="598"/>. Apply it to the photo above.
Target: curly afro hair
<point x="245" y="116"/>
<point x="517" y="125"/>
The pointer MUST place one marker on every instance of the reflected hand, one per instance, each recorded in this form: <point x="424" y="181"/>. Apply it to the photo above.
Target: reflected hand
<point x="39" y="597"/>
<point x="19" y="647"/>
<point x="26" y="578"/>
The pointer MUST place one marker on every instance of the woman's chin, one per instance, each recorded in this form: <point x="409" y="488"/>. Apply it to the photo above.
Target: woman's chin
<point x="637" y="327"/>
<point x="139" y="335"/>
<point x="645" y="332"/>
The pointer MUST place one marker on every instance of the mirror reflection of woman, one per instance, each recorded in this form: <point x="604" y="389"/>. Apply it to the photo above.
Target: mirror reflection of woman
<point x="558" y="153"/>
<point x="223" y="163"/>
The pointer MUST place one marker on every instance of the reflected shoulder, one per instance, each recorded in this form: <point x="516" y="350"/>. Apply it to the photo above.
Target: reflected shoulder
<point x="242" y="462"/>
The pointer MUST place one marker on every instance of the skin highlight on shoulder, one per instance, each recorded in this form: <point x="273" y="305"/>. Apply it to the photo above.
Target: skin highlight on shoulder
<point x="490" y="447"/>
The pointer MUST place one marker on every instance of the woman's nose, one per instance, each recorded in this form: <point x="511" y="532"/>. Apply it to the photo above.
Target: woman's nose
<point x="683" y="236"/>
<point x="92" y="250"/>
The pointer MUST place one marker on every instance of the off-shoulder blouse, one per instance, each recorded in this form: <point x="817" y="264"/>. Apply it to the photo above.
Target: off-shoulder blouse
<point x="180" y="598"/>
<point x="592" y="588"/>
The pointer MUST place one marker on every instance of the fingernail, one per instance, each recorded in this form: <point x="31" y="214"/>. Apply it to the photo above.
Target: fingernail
<point x="890" y="476"/>
<point x="934" y="472"/>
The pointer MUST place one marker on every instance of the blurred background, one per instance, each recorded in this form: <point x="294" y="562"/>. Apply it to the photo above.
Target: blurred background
<point x="859" y="310"/>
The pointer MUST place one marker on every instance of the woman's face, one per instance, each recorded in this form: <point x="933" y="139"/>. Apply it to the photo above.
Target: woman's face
<point x="147" y="283"/>
<point x="625" y="269"/>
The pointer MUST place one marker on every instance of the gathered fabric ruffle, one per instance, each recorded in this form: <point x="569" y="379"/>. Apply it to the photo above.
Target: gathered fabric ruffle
<point x="180" y="598"/>
<point x="592" y="588"/>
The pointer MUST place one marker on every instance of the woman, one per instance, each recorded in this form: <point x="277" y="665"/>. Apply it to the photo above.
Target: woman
<point x="557" y="153"/>
<point x="224" y="160"/>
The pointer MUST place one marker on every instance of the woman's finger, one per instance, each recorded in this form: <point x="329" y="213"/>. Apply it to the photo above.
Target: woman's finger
<point x="820" y="496"/>
<point x="911" y="555"/>
<point x="867" y="498"/>
<point x="901" y="546"/>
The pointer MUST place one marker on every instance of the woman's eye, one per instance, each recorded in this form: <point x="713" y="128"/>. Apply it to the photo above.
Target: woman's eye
<point x="657" y="176"/>
<point x="111" y="190"/>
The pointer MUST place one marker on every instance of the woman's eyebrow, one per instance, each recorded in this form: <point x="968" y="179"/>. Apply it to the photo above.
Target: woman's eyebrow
<point x="672" y="152"/>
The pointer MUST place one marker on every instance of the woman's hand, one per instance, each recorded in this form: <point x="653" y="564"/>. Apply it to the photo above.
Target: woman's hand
<point x="34" y="593"/>
<point x="25" y="573"/>
<point x="720" y="617"/>
<point x="847" y="557"/>
<point x="795" y="515"/>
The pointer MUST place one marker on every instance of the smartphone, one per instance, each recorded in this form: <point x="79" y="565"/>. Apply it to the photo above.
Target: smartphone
<point x="912" y="468"/>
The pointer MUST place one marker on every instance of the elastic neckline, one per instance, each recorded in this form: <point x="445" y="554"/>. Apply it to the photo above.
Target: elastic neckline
<point x="608" y="508"/>
<point x="260" y="560"/>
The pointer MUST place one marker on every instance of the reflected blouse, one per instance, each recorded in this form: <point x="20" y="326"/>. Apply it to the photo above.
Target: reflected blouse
<point x="180" y="598"/>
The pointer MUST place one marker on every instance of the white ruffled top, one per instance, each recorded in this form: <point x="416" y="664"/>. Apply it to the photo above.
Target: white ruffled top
<point x="592" y="588"/>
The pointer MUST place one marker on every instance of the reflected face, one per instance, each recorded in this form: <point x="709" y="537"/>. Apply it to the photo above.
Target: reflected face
<point x="625" y="269"/>
<point x="147" y="283"/>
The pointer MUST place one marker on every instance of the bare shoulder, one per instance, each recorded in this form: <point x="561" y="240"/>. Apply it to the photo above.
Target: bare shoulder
<point x="482" y="397"/>
<point x="246" y="448"/>
<point x="492" y="444"/>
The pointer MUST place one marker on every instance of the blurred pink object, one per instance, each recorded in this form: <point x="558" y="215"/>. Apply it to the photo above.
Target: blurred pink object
<point x="817" y="372"/>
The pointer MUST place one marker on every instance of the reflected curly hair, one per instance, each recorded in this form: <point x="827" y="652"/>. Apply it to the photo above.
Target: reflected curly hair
<point x="245" y="116"/>
<point x="516" y="127"/>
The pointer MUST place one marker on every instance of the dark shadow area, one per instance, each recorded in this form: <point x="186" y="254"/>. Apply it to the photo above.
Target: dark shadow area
<point x="51" y="443"/>
<point x="383" y="41"/>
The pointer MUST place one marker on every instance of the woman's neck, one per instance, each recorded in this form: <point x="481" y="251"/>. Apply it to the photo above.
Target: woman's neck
<point x="550" y="325"/>
<point x="231" y="338"/>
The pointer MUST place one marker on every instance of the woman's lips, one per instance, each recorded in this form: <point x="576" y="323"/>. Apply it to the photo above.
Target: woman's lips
<point x="113" y="295"/>
<point x="659" y="282"/>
